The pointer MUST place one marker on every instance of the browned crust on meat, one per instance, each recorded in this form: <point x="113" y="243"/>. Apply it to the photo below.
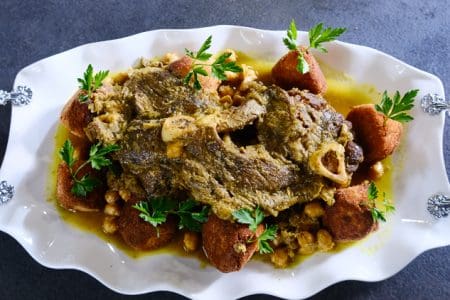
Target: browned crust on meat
<point x="285" y="73"/>
<point x="349" y="219"/>
<point x="141" y="235"/>
<point x="75" y="116"/>
<point x="378" y="136"/>
<point x="94" y="201"/>
<point x="219" y="240"/>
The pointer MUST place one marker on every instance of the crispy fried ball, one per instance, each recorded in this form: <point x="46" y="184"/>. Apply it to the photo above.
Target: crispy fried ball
<point x="75" y="116"/>
<point x="94" y="201"/>
<point x="349" y="219"/>
<point x="140" y="234"/>
<point x="287" y="76"/>
<point x="226" y="244"/>
<point x="181" y="68"/>
<point x="378" y="136"/>
<point x="81" y="146"/>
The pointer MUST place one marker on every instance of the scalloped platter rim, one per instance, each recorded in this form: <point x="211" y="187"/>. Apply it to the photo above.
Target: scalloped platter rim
<point x="37" y="226"/>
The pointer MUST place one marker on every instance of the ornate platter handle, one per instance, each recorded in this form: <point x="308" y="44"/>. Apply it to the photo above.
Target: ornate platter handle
<point x="439" y="206"/>
<point x="19" y="96"/>
<point x="434" y="104"/>
<point x="6" y="192"/>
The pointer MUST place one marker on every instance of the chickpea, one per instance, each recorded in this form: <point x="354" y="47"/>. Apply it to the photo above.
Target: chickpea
<point x="307" y="242"/>
<point x="191" y="241"/>
<point x="174" y="149"/>
<point x="324" y="240"/>
<point x="226" y="100"/>
<point x="376" y="170"/>
<point x="249" y="75"/>
<point x="170" y="58"/>
<point x="125" y="195"/>
<point x="112" y="210"/>
<point x="233" y="56"/>
<point x="240" y="248"/>
<point x="314" y="210"/>
<point x="226" y="90"/>
<point x="112" y="197"/>
<point x="109" y="225"/>
<point x="280" y="257"/>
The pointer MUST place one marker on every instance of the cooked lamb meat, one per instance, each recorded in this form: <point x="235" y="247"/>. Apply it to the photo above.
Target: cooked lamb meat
<point x="156" y="93"/>
<point x="180" y="140"/>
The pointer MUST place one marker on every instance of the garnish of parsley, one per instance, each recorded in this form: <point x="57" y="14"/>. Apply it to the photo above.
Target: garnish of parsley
<point x="377" y="213"/>
<point x="317" y="36"/>
<point x="156" y="210"/>
<point x="397" y="107"/>
<point x="218" y="67"/>
<point x="253" y="219"/>
<point x="97" y="158"/>
<point x="90" y="82"/>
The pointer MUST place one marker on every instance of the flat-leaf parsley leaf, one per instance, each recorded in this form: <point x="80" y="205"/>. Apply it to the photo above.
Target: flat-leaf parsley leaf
<point x="90" y="82"/>
<point x="218" y="67"/>
<point x="155" y="211"/>
<point x="317" y="36"/>
<point x="396" y="108"/>
<point x="97" y="158"/>
<point x="253" y="219"/>
<point x="377" y="213"/>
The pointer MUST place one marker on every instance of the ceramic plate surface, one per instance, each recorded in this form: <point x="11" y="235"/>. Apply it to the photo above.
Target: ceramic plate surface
<point x="35" y="223"/>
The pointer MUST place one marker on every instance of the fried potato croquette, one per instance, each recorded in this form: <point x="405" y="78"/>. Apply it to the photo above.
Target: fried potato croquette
<point x="141" y="235"/>
<point x="181" y="68"/>
<point x="349" y="219"/>
<point x="227" y="245"/>
<point x="94" y="201"/>
<point x="377" y="135"/>
<point x="75" y="116"/>
<point x="287" y="76"/>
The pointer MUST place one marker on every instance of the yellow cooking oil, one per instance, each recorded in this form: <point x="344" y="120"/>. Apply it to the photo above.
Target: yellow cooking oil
<point x="343" y="93"/>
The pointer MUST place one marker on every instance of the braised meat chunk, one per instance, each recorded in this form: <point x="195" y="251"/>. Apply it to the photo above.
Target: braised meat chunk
<point x="253" y="154"/>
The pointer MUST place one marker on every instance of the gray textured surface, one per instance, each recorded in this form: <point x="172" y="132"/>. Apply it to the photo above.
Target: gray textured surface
<point x="417" y="32"/>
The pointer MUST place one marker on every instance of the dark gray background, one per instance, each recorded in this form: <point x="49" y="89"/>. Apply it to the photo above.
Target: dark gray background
<point x="414" y="31"/>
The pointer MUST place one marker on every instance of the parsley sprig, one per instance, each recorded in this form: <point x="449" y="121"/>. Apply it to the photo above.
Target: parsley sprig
<point x="317" y="36"/>
<point x="396" y="107"/>
<point x="218" y="67"/>
<point x="90" y="82"/>
<point x="156" y="210"/>
<point x="253" y="219"/>
<point x="97" y="158"/>
<point x="377" y="213"/>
